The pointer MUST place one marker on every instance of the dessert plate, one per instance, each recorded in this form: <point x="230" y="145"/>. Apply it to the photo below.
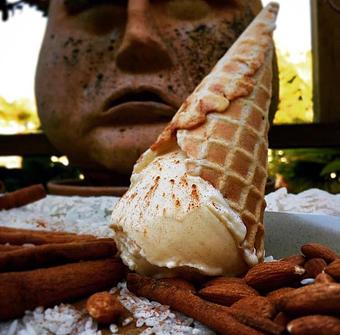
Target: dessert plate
<point x="286" y="232"/>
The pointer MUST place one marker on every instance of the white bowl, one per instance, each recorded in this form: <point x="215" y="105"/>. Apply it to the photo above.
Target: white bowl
<point x="287" y="232"/>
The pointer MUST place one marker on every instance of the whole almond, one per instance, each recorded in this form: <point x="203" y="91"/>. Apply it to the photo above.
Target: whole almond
<point x="256" y="304"/>
<point x="295" y="259"/>
<point x="333" y="269"/>
<point x="104" y="307"/>
<point x="275" y="296"/>
<point x="314" y="325"/>
<point x="324" y="278"/>
<point x="316" y="250"/>
<point x="314" y="266"/>
<point x="227" y="293"/>
<point x="273" y="275"/>
<point x="312" y="299"/>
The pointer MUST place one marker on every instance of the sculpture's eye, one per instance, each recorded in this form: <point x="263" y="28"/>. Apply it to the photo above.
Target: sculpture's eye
<point x="188" y="10"/>
<point x="74" y="7"/>
<point x="98" y="17"/>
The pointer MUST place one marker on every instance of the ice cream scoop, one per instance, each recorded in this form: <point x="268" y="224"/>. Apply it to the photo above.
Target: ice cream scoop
<point x="177" y="221"/>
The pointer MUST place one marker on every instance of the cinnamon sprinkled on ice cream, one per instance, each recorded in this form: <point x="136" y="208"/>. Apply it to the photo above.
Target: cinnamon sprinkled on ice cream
<point x="176" y="220"/>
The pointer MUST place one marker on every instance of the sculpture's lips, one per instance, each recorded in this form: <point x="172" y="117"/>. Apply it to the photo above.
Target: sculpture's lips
<point x="138" y="106"/>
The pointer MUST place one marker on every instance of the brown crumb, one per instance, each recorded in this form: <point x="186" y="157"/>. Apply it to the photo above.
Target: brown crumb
<point x="194" y="193"/>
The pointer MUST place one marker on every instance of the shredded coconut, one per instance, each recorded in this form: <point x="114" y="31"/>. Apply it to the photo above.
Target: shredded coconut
<point x="311" y="201"/>
<point x="159" y="319"/>
<point x="87" y="215"/>
<point x="114" y="329"/>
<point x="60" y="320"/>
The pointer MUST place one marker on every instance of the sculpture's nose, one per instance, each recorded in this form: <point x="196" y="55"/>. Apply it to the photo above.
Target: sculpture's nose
<point x="142" y="49"/>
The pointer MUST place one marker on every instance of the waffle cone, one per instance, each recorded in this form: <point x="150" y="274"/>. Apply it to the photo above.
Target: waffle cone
<point x="230" y="151"/>
<point x="221" y="130"/>
<point x="223" y="126"/>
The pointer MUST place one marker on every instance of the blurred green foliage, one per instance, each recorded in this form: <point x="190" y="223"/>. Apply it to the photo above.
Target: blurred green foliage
<point x="296" y="100"/>
<point x="301" y="169"/>
<point x="19" y="116"/>
<point x="308" y="168"/>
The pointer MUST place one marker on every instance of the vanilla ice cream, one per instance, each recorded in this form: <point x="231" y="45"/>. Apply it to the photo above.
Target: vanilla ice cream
<point x="169" y="221"/>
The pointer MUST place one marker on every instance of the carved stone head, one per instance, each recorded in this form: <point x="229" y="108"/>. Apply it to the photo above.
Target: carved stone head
<point x="112" y="73"/>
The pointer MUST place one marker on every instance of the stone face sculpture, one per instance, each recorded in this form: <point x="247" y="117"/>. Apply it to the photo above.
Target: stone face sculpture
<point x="111" y="74"/>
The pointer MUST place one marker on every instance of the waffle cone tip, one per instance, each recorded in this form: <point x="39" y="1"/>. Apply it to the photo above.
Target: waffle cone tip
<point x="231" y="78"/>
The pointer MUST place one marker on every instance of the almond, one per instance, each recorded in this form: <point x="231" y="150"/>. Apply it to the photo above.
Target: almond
<point x="273" y="275"/>
<point x="315" y="325"/>
<point x="275" y="296"/>
<point x="333" y="269"/>
<point x="104" y="307"/>
<point x="256" y="304"/>
<point x="295" y="259"/>
<point x="314" y="266"/>
<point x="227" y="293"/>
<point x="316" y="250"/>
<point x="312" y="299"/>
<point x="324" y="278"/>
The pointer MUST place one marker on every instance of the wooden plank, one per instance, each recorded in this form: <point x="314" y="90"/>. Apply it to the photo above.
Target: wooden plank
<point x="26" y="145"/>
<point x="326" y="59"/>
<point x="280" y="136"/>
<point x="310" y="135"/>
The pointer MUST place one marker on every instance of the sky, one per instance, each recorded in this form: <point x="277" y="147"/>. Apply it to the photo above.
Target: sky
<point x="293" y="32"/>
<point x="22" y="34"/>
<point x="20" y="39"/>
